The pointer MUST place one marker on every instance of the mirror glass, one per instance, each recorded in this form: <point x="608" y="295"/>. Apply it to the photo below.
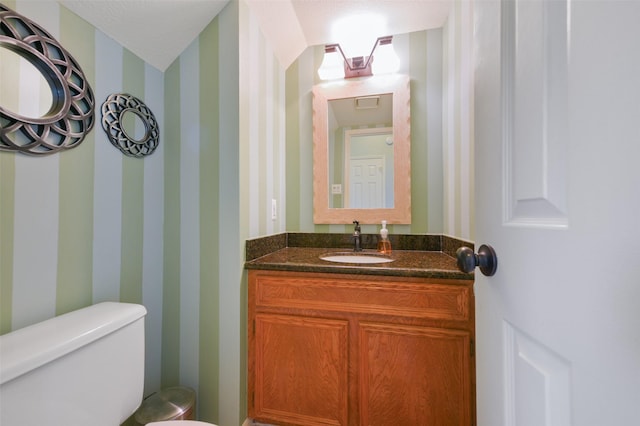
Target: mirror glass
<point x="133" y="126"/>
<point x="362" y="151"/>
<point x="15" y="71"/>
<point x="360" y="139"/>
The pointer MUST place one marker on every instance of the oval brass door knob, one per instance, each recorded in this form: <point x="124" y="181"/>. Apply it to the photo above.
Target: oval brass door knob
<point x="486" y="260"/>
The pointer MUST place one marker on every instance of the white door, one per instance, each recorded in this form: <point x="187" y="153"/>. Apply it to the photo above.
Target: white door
<point x="557" y="153"/>
<point x="366" y="183"/>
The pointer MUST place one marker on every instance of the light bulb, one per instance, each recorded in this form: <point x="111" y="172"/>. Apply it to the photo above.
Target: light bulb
<point x="332" y="66"/>
<point x="385" y="60"/>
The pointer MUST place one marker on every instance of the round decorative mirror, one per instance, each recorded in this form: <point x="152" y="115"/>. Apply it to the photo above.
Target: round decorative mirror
<point x="69" y="116"/>
<point x="130" y="125"/>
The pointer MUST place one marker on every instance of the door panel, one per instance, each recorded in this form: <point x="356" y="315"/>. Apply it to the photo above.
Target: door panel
<point x="537" y="386"/>
<point x="366" y="183"/>
<point x="557" y="141"/>
<point x="534" y="85"/>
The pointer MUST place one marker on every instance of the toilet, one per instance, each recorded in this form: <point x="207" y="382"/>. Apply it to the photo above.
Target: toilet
<point x="82" y="368"/>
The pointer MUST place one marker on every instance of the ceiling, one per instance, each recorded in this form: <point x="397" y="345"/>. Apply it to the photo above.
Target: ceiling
<point x="347" y="112"/>
<point x="158" y="31"/>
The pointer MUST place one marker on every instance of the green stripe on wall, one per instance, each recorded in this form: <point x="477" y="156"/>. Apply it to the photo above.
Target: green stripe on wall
<point x="75" y="240"/>
<point x="132" y="195"/>
<point x="419" y="140"/>
<point x="7" y="206"/>
<point x="171" y="272"/>
<point x="7" y="217"/>
<point x="209" y="357"/>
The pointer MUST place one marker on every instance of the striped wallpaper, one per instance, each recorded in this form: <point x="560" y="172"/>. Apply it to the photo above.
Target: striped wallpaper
<point x="81" y="227"/>
<point x="168" y="231"/>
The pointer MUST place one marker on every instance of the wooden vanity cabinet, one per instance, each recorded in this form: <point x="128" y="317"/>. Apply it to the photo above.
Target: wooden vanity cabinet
<point x="337" y="349"/>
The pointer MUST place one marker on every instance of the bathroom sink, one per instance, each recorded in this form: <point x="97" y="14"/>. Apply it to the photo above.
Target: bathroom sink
<point x="356" y="257"/>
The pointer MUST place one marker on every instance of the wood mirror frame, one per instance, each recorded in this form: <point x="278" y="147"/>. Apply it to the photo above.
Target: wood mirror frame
<point x="398" y="85"/>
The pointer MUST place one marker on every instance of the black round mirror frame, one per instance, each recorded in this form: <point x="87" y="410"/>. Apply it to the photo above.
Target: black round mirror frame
<point x="71" y="116"/>
<point x="114" y="110"/>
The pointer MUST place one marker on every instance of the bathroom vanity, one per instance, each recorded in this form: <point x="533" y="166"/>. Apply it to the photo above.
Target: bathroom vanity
<point x="360" y="344"/>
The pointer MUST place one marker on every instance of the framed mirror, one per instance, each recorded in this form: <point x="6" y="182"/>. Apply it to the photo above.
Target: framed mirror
<point x="30" y="56"/>
<point x="362" y="151"/>
<point x="130" y="125"/>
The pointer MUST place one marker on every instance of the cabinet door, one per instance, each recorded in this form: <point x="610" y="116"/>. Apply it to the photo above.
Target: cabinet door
<point x="301" y="370"/>
<point x="412" y="375"/>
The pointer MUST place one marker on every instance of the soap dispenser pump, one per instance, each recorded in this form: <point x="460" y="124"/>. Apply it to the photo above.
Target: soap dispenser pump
<point x="384" y="245"/>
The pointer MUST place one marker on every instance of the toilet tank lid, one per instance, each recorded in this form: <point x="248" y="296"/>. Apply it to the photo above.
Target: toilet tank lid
<point x="31" y="347"/>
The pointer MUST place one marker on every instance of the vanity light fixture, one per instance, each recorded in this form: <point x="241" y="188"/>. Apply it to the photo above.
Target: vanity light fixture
<point x="335" y="63"/>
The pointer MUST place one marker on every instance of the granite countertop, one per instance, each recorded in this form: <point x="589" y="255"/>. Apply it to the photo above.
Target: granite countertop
<point x="428" y="257"/>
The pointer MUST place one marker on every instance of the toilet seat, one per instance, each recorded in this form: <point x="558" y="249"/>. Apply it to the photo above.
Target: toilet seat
<point x="180" y="423"/>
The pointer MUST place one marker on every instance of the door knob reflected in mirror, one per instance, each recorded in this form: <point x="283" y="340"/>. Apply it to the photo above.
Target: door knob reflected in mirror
<point x="486" y="260"/>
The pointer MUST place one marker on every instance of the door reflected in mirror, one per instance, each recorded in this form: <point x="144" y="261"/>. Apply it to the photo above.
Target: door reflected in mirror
<point x="367" y="170"/>
<point x="361" y="141"/>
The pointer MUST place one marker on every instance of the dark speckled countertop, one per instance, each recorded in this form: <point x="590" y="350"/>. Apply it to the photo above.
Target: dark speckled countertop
<point x="427" y="256"/>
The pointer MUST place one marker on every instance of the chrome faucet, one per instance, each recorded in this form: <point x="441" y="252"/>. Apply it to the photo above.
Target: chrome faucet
<point x="357" y="246"/>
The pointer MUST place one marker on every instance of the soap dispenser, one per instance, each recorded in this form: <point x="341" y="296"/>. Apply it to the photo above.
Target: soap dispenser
<point x="384" y="245"/>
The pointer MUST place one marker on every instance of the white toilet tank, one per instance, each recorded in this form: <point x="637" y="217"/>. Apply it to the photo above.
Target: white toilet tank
<point x="78" y="369"/>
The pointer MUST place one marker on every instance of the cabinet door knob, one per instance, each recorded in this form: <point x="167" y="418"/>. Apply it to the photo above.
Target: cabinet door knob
<point x="486" y="260"/>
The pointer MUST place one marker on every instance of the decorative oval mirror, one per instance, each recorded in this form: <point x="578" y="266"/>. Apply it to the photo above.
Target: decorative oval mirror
<point x="130" y="125"/>
<point x="68" y="113"/>
<point x="362" y="151"/>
